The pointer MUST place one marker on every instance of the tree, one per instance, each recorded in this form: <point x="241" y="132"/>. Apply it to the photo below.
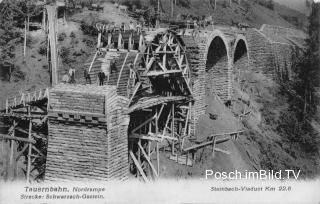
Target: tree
<point x="26" y="9"/>
<point x="296" y="122"/>
<point x="9" y="37"/>
<point x="307" y="70"/>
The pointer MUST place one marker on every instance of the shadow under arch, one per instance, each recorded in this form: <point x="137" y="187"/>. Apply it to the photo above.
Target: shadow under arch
<point x="218" y="66"/>
<point x="241" y="59"/>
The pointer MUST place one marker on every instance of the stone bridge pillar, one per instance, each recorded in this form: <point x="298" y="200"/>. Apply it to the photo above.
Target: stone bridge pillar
<point x="87" y="134"/>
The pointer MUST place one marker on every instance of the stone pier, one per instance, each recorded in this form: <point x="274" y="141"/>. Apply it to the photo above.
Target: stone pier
<point x="87" y="133"/>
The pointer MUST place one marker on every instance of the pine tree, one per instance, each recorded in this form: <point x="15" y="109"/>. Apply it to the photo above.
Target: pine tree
<point x="9" y="37"/>
<point x="307" y="71"/>
<point x="296" y="122"/>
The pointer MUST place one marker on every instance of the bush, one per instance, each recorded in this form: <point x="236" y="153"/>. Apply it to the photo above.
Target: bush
<point x="61" y="36"/>
<point x="18" y="74"/>
<point x="65" y="54"/>
<point x="29" y="40"/>
<point x="42" y="49"/>
<point x="72" y="35"/>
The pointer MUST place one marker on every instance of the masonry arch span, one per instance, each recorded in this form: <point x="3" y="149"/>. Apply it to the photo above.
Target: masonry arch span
<point x="218" y="66"/>
<point x="241" y="59"/>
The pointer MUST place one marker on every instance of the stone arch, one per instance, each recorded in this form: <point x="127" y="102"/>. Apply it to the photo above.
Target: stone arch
<point x="241" y="58"/>
<point x="218" y="66"/>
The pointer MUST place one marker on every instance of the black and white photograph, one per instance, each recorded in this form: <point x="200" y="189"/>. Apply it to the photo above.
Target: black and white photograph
<point x="159" y="101"/>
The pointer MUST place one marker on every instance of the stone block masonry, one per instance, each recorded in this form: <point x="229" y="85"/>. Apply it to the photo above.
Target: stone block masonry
<point x="87" y="134"/>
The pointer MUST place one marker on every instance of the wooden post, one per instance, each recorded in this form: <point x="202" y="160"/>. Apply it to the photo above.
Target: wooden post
<point x="25" y="38"/>
<point x="30" y="146"/>
<point x="109" y="39"/>
<point x="172" y="8"/>
<point x="120" y="41"/>
<point x="44" y="20"/>
<point x="130" y="44"/>
<point x="149" y="151"/>
<point x="139" y="158"/>
<point x="158" y="156"/>
<point x="51" y="10"/>
<point x="11" y="169"/>
<point x="99" y="40"/>
<point x="172" y="128"/>
<point x="213" y="146"/>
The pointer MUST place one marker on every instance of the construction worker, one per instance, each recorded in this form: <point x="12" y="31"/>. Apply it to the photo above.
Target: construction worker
<point x="72" y="73"/>
<point x="86" y="75"/>
<point x="131" y="27"/>
<point x="101" y="77"/>
<point x="65" y="78"/>
<point x="112" y="27"/>
<point x="138" y="27"/>
<point x="123" y="27"/>
<point x="113" y="67"/>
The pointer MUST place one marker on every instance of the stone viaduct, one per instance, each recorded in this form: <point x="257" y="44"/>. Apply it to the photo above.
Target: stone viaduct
<point x="91" y="138"/>
<point x="217" y="56"/>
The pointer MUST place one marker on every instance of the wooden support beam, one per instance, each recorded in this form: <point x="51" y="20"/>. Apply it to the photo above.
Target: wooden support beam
<point x="135" y="90"/>
<point x="221" y="150"/>
<point x="20" y="139"/>
<point x="139" y="154"/>
<point x="124" y="63"/>
<point x="158" y="73"/>
<point x="213" y="146"/>
<point x="21" y="152"/>
<point x="30" y="147"/>
<point x="205" y="144"/>
<point x="157" y="147"/>
<point x="12" y="161"/>
<point x="172" y="128"/>
<point x="148" y="159"/>
<point x="94" y="58"/>
<point x="165" y="127"/>
<point x="138" y="166"/>
<point x="144" y="123"/>
<point x="52" y="14"/>
<point x="144" y="137"/>
<point x="227" y="133"/>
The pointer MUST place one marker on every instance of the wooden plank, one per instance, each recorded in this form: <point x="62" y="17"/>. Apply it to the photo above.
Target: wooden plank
<point x="144" y="137"/>
<point x="136" y="88"/>
<point x="204" y="144"/>
<point x="124" y="63"/>
<point x="158" y="73"/>
<point x="227" y="133"/>
<point x="138" y="166"/>
<point x="221" y="150"/>
<point x="91" y="64"/>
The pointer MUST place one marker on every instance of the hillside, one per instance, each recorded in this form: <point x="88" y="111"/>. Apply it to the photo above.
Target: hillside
<point x="250" y="12"/>
<point x="254" y="13"/>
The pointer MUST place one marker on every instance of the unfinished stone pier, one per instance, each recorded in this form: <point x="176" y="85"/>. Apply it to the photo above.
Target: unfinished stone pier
<point x="87" y="133"/>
